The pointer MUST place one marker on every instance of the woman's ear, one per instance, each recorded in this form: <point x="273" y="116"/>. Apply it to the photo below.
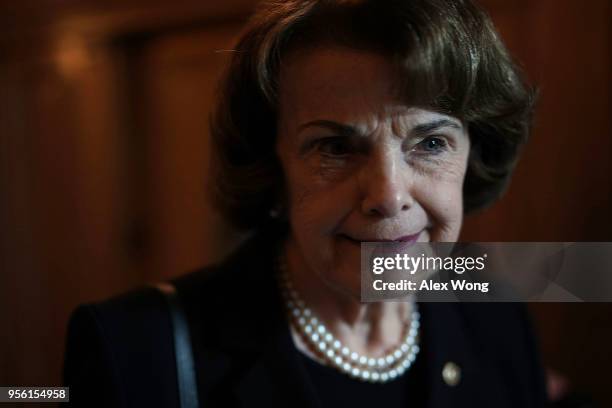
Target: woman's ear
<point x="275" y="212"/>
<point x="278" y="211"/>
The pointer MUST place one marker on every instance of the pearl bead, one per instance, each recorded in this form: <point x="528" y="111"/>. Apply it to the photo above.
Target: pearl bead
<point x="308" y="329"/>
<point x="355" y="372"/>
<point x="363" y="360"/>
<point x="354" y="356"/>
<point x="345" y="351"/>
<point x="337" y="345"/>
<point x="372" y="362"/>
<point x="381" y="362"/>
<point x="321" y="329"/>
<point x="329" y="338"/>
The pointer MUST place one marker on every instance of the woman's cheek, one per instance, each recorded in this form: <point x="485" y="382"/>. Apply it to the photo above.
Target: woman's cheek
<point x="440" y="192"/>
<point x="443" y="203"/>
<point x="317" y="208"/>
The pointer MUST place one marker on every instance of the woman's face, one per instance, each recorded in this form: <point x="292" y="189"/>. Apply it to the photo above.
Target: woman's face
<point x="360" y="165"/>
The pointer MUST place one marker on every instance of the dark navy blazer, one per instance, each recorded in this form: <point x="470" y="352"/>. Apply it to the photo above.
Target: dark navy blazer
<point x="120" y="352"/>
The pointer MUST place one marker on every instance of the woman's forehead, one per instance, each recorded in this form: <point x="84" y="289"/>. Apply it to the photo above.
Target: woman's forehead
<point x="347" y="86"/>
<point x="335" y="76"/>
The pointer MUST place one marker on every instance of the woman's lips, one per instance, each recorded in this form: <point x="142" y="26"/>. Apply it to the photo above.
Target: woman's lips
<point x="405" y="239"/>
<point x="384" y="247"/>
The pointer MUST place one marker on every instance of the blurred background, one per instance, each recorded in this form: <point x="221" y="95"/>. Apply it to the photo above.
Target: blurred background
<point x="104" y="151"/>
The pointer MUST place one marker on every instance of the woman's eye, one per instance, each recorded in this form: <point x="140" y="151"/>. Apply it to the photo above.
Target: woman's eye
<point x="333" y="147"/>
<point x="432" y="144"/>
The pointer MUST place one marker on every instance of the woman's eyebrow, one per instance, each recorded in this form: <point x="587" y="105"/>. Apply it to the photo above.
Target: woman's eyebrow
<point x="348" y="130"/>
<point x="338" y="128"/>
<point x="428" y="127"/>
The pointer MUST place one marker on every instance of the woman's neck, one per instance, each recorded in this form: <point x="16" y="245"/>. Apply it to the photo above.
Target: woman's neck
<point x="370" y="329"/>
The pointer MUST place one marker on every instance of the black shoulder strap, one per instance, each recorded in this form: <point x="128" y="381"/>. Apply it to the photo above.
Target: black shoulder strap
<point x="185" y="369"/>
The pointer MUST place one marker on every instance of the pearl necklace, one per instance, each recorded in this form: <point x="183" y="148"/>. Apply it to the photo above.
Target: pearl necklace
<point x="332" y="352"/>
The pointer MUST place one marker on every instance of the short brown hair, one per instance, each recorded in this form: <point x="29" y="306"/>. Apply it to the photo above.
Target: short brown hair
<point x="447" y="47"/>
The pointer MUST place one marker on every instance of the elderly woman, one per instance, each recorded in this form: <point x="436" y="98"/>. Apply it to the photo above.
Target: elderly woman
<point x="339" y="122"/>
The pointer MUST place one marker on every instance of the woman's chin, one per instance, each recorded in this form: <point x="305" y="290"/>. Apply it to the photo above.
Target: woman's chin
<point x="344" y="286"/>
<point x="344" y="276"/>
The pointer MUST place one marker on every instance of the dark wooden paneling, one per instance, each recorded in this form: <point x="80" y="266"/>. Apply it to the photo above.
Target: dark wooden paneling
<point x="82" y="218"/>
<point x="181" y="72"/>
<point x="561" y="189"/>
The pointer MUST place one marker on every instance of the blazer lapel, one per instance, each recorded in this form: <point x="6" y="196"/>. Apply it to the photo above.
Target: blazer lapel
<point x="274" y="375"/>
<point x="277" y="378"/>
<point x="455" y="372"/>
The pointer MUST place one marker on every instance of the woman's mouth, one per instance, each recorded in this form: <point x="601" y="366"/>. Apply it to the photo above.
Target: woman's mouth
<point x="405" y="240"/>
<point x="385" y="247"/>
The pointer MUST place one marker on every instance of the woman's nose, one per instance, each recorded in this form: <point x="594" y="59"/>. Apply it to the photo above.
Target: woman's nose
<point x="385" y="187"/>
